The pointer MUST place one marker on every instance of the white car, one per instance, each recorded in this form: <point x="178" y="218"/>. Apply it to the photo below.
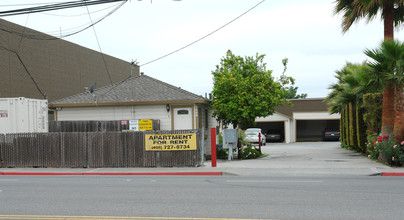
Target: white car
<point x="252" y="136"/>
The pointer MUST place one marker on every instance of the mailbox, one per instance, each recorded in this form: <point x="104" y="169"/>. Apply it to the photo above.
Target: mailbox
<point x="230" y="137"/>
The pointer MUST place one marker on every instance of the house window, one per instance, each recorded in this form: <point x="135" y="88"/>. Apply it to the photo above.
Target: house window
<point x="183" y="112"/>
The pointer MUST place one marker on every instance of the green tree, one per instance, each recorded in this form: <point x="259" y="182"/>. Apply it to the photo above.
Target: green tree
<point x="354" y="81"/>
<point x="387" y="68"/>
<point x="291" y="91"/>
<point x="243" y="89"/>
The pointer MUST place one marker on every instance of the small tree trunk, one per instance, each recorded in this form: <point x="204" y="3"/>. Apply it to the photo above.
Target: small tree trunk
<point x="346" y="128"/>
<point x="388" y="114"/>
<point x="399" y="121"/>
<point x="388" y="92"/>
<point x="388" y="13"/>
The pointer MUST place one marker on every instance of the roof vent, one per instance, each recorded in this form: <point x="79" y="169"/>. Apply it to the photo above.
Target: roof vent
<point x="141" y="73"/>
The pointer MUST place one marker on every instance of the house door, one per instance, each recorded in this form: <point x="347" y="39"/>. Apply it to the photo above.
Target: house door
<point x="182" y="118"/>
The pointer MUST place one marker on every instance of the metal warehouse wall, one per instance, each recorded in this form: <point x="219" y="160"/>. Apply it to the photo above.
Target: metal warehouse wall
<point x="59" y="67"/>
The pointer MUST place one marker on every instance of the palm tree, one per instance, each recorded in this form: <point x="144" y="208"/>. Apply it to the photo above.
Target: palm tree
<point x="387" y="68"/>
<point x="392" y="13"/>
<point x="346" y="97"/>
<point x="353" y="82"/>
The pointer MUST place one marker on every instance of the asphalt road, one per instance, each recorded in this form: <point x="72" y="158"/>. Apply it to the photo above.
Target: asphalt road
<point x="193" y="197"/>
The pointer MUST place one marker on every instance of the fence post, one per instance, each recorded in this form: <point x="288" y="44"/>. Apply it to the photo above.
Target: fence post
<point x="202" y="146"/>
<point x="213" y="145"/>
<point x="259" y="141"/>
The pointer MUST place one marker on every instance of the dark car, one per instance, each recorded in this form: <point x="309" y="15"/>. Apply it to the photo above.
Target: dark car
<point x="274" y="135"/>
<point x="330" y="134"/>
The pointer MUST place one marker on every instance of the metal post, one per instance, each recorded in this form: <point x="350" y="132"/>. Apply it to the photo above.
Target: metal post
<point x="213" y="145"/>
<point x="202" y="146"/>
<point x="259" y="140"/>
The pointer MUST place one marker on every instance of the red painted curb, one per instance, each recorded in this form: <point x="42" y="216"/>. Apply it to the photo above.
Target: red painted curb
<point x="392" y="174"/>
<point x="116" y="174"/>
<point x="37" y="173"/>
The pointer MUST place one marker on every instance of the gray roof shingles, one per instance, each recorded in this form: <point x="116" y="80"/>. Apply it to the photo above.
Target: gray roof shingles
<point x="133" y="89"/>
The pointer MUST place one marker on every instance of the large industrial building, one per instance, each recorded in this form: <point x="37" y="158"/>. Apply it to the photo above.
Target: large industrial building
<point x="36" y="65"/>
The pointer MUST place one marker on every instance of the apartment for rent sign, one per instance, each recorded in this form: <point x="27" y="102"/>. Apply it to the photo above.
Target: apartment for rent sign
<point x="170" y="142"/>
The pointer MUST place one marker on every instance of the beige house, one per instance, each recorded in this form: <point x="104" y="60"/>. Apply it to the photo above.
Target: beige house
<point x="141" y="97"/>
<point x="136" y="98"/>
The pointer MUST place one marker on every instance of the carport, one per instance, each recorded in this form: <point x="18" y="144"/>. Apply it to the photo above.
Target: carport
<point x="302" y="120"/>
<point x="309" y="126"/>
<point x="276" y="121"/>
<point x="272" y="125"/>
<point x="312" y="130"/>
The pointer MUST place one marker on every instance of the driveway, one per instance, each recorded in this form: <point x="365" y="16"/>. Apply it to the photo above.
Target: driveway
<point x="306" y="158"/>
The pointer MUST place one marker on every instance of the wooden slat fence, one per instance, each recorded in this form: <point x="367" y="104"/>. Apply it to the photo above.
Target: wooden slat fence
<point x="91" y="149"/>
<point x="93" y="126"/>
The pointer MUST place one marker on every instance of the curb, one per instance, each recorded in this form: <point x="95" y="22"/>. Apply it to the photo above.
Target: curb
<point x="114" y="174"/>
<point x="392" y="174"/>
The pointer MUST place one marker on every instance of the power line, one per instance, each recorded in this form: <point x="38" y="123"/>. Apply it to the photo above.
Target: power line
<point x="102" y="54"/>
<point x="196" y="41"/>
<point x="78" y="15"/>
<point x="38" y="3"/>
<point x="26" y="70"/>
<point x="50" y="37"/>
<point x="56" y="6"/>
<point x="25" y="27"/>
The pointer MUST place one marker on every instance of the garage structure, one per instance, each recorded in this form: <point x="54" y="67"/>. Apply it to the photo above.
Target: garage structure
<point x="302" y="120"/>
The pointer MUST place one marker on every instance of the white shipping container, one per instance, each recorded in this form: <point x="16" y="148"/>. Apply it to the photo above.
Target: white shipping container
<point x="21" y="115"/>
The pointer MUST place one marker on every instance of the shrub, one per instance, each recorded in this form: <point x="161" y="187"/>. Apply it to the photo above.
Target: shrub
<point x="372" y="148"/>
<point x="250" y="152"/>
<point x="394" y="154"/>
<point x="385" y="149"/>
<point x="221" y="153"/>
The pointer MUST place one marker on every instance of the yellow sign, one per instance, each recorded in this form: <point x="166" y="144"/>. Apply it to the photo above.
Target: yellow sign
<point x="170" y="142"/>
<point x="145" y="125"/>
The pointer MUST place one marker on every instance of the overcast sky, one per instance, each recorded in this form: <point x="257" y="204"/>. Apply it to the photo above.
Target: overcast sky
<point x="307" y="32"/>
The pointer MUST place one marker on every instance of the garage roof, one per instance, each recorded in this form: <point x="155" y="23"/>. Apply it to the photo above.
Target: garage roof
<point x="303" y="105"/>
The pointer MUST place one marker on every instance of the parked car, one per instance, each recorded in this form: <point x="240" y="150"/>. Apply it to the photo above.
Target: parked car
<point x="273" y="135"/>
<point x="252" y="136"/>
<point x="330" y="134"/>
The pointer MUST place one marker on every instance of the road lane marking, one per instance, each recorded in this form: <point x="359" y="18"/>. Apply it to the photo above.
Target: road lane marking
<point x="274" y="181"/>
<point x="8" y="180"/>
<point x="51" y="217"/>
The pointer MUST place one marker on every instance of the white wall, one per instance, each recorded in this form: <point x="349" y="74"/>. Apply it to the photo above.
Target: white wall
<point x="19" y="115"/>
<point x="211" y="123"/>
<point x="156" y="112"/>
<point x="315" y="116"/>
<point x="271" y="118"/>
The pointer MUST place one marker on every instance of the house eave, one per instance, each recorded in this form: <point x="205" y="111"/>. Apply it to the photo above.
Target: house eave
<point x="93" y="104"/>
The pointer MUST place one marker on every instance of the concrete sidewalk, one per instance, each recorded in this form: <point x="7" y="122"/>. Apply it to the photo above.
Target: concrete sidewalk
<point x="308" y="158"/>
<point x="296" y="159"/>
